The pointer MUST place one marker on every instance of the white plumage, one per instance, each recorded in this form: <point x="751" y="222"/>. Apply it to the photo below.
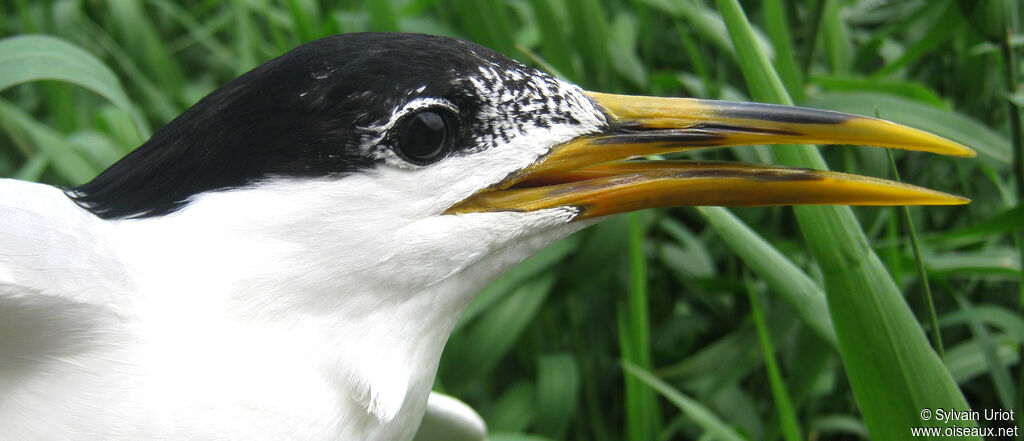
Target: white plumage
<point x="297" y="309"/>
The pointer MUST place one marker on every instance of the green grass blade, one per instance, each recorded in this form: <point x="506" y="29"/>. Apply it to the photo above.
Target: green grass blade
<point x="1008" y="321"/>
<point x="558" y="386"/>
<point x="635" y="340"/>
<point x="692" y="260"/>
<point x="893" y="371"/>
<point x="1005" y="222"/>
<point x="752" y="62"/>
<point x="157" y="102"/>
<point x="306" y="16"/>
<point x="737" y="348"/>
<point x="71" y="164"/>
<point x="994" y="261"/>
<point x="839" y="424"/>
<point x="488" y="23"/>
<point x="921" y="274"/>
<point x="514" y="410"/>
<point x="785" y="60"/>
<point x="33" y="168"/>
<point x="705" y="23"/>
<point x="992" y="147"/>
<point x="910" y="90"/>
<point x="492" y="336"/>
<point x="198" y="33"/>
<point x="696" y="57"/>
<point x="783" y="277"/>
<point x="783" y="406"/>
<point x="39" y="57"/>
<point x="245" y="37"/>
<point x="591" y="35"/>
<point x="968" y="360"/>
<point x="132" y="27"/>
<point x="515" y="437"/>
<point x="526" y="270"/>
<point x="622" y="47"/>
<point x="382" y="16"/>
<point x="1000" y="375"/>
<point x="696" y="411"/>
<point x="836" y="38"/>
<point x="551" y="21"/>
<point x="938" y="33"/>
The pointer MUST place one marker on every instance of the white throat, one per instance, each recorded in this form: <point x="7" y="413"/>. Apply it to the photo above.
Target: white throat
<point x="300" y="289"/>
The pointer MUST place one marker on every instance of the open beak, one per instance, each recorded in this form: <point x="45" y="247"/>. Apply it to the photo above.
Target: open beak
<point x="591" y="173"/>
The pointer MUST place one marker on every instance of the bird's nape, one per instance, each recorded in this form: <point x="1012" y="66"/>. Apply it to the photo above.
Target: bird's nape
<point x="589" y="172"/>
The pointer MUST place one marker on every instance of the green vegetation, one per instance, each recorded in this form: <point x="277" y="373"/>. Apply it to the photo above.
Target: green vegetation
<point x="687" y="323"/>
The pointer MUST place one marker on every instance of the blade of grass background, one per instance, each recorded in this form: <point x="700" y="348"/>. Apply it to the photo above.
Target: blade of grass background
<point x="992" y="147"/>
<point x="724" y="363"/>
<point x="156" y="101"/>
<point x="705" y="23"/>
<point x="642" y="422"/>
<point x="810" y="36"/>
<point x="893" y="371"/>
<point x="271" y="28"/>
<point x="940" y="31"/>
<point x="33" y="168"/>
<point x="481" y="345"/>
<point x="551" y="22"/>
<point x="514" y="410"/>
<point x="967" y="360"/>
<point x="836" y="39"/>
<point x="994" y="261"/>
<point x="921" y="274"/>
<point x="783" y="406"/>
<point x="785" y="59"/>
<point x="557" y="391"/>
<point x="515" y="437"/>
<point x="697" y="60"/>
<point x="782" y="276"/>
<point x="692" y="258"/>
<point x="71" y="164"/>
<point x="910" y="90"/>
<point x="622" y="48"/>
<point x="1000" y="374"/>
<point x="693" y="409"/>
<point x="306" y="17"/>
<point x="98" y="147"/>
<point x="528" y="269"/>
<point x="1004" y="222"/>
<point x="1011" y="71"/>
<point x="382" y="16"/>
<point x="245" y="37"/>
<point x="838" y="425"/>
<point x="591" y="34"/>
<point x="200" y="34"/>
<point x="132" y="27"/>
<point x="488" y="23"/>
<point x="541" y="62"/>
<point x="40" y="57"/>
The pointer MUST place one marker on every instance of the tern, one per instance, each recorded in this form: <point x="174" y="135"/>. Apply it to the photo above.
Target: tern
<point x="287" y="258"/>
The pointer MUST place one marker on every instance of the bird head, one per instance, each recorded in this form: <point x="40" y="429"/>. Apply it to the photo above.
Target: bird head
<point x="391" y="176"/>
<point x="401" y="129"/>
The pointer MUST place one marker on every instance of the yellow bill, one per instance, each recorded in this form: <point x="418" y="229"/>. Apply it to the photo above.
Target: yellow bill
<point x="588" y="172"/>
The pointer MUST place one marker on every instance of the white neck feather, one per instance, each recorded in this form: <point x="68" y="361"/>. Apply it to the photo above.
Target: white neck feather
<point x="299" y="281"/>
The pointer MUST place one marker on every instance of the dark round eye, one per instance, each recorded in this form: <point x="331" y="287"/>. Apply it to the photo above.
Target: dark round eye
<point x="426" y="136"/>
